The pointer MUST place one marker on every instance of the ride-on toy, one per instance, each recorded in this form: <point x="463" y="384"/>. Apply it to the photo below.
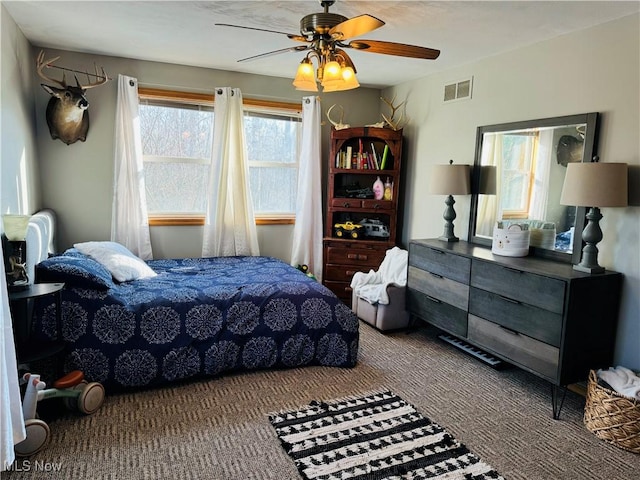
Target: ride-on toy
<point x="73" y="388"/>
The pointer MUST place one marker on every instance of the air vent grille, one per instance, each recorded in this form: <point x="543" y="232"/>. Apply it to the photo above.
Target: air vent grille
<point x="459" y="90"/>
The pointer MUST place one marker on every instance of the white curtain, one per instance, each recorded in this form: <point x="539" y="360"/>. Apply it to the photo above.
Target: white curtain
<point x="229" y="227"/>
<point x="11" y="422"/>
<point x="489" y="205"/>
<point x="129" y="222"/>
<point x="307" y="232"/>
<point x="539" y="196"/>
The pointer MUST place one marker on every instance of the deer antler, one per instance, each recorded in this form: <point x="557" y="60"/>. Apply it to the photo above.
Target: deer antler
<point x="394" y="124"/>
<point x="337" y="125"/>
<point x="102" y="78"/>
<point x="41" y="63"/>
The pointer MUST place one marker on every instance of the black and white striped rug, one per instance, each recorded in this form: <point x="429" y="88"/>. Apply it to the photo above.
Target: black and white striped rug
<point x="377" y="436"/>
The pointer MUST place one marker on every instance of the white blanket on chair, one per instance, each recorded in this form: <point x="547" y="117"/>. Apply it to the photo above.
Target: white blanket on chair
<point x="372" y="286"/>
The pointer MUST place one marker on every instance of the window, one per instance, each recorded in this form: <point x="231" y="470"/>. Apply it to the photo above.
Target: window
<point x="177" y="129"/>
<point x="519" y="162"/>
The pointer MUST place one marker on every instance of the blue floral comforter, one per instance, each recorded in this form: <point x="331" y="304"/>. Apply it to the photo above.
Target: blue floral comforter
<point x="197" y="317"/>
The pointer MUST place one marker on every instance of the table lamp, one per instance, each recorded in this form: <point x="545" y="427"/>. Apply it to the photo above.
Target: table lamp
<point x="594" y="185"/>
<point x="15" y="231"/>
<point x="450" y="180"/>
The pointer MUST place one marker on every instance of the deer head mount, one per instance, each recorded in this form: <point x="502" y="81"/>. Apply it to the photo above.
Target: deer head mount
<point x="337" y="125"/>
<point x="67" y="115"/>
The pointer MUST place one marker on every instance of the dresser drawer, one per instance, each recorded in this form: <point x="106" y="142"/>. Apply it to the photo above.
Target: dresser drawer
<point x="531" y="354"/>
<point x="544" y="292"/>
<point x="362" y="257"/>
<point x="438" y="313"/>
<point x="439" y="287"/>
<point x="340" y="273"/>
<point x="449" y="265"/>
<point x="535" y="322"/>
<point x="346" y="203"/>
<point x="341" y="289"/>
<point x="377" y="204"/>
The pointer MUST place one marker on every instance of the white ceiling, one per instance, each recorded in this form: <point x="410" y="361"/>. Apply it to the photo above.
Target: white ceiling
<point x="183" y="32"/>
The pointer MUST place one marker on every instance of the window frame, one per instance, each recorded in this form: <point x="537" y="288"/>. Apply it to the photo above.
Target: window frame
<point x="207" y="99"/>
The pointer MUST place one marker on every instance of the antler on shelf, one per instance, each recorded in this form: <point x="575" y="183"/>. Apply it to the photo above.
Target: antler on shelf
<point x="391" y="121"/>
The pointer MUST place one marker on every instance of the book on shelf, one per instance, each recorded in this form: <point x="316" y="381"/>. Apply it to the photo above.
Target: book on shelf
<point x="347" y="163"/>
<point x="385" y="156"/>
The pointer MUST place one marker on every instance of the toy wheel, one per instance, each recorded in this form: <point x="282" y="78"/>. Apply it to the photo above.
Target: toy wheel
<point x="91" y="398"/>
<point x="339" y="233"/>
<point x="37" y="436"/>
<point x="72" y="402"/>
<point x="354" y="234"/>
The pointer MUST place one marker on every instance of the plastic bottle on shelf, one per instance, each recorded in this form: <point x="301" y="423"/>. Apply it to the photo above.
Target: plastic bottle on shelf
<point x="388" y="189"/>
<point x="378" y="189"/>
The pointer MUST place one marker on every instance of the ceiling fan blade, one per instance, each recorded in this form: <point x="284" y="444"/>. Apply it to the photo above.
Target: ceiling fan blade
<point x="292" y="36"/>
<point x="355" y="26"/>
<point x="299" y="48"/>
<point x="392" y="48"/>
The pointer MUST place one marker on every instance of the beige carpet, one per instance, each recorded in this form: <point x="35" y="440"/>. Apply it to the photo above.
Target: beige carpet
<point x="218" y="428"/>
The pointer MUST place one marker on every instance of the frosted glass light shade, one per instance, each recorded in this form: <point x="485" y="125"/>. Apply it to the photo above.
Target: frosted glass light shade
<point x="15" y="227"/>
<point x="305" y="77"/>
<point x="595" y="184"/>
<point x="450" y="180"/>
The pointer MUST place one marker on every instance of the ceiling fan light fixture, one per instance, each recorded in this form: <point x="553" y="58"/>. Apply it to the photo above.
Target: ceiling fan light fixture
<point x="305" y="77"/>
<point x="350" y="79"/>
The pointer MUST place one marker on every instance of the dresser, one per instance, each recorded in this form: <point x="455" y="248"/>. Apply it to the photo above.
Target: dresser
<point x="540" y="315"/>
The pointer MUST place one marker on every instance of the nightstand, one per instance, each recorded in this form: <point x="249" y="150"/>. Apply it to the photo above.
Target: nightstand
<point x="21" y="304"/>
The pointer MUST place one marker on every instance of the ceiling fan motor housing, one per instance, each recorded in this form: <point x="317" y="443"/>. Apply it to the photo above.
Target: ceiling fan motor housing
<point x="320" y="23"/>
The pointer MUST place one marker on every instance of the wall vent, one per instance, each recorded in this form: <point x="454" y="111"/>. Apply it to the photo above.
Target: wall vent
<point x="458" y="91"/>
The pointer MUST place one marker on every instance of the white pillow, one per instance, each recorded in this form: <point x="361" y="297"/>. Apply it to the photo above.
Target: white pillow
<point x="116" y="258"/>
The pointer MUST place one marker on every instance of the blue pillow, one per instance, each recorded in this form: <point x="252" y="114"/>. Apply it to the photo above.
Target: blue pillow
<point x="75" y="270"/>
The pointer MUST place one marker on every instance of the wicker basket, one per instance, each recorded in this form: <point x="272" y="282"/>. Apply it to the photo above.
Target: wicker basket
<point x="612" y="417"/>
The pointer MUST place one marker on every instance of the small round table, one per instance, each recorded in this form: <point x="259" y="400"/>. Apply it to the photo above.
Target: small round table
<point x="19" y="302"/>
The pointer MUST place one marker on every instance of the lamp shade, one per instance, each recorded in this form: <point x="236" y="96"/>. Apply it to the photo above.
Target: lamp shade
<point x="450" y="180"/>
<point x="305" y="77"/>
<point x="15" y="227"/>
<point x="595" y="184"/>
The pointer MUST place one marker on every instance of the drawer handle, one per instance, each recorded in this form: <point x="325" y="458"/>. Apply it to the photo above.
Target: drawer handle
<point x="515" y="270"/>
<point x="346" y="204"/>
<point x="434" y="300"/>
<point x="363" y="257"/>
<point x="512" y="332"/>
<point x="352" y="256"/>
<point x="510" y="300"/>
<point x="376" y="206"/>
<point x="435" y="275"/>
<point x="437" y="251"/>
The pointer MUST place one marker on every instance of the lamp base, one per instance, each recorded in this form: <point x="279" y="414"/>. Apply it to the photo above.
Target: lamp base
<point x="448" y="239"/>
<point x="588" y="269"/>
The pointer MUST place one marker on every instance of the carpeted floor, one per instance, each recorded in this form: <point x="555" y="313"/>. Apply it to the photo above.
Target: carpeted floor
<point x="219" y="428"/>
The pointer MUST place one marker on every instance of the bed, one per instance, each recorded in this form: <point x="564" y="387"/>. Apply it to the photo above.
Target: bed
<point x="194" y="317"/>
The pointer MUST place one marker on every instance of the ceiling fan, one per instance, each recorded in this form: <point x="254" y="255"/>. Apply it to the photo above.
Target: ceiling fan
<point x="326" y="35"/>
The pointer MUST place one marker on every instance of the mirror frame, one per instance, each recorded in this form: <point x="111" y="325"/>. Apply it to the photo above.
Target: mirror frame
<point x="592" y="121"/>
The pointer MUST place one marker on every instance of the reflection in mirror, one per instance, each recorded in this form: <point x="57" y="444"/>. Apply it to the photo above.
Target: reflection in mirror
<point x="518" y="176"/>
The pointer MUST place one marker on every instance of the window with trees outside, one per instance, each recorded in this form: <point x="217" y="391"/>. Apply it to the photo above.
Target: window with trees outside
<point x="519" y="152"/>
<point x="177" y="138"/>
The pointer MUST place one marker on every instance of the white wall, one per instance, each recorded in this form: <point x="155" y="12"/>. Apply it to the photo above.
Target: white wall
<point x="593" y="70"/>
<point x="19" y="180"/>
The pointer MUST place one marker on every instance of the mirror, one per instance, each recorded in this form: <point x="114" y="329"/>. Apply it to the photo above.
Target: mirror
<point x="518" y="174"/>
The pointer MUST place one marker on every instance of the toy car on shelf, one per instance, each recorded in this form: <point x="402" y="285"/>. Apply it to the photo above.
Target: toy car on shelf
<point x="347" y="229"/>
<point x="374" y="228"/>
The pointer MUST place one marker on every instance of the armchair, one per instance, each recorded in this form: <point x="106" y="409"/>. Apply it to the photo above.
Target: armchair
<point x="378" y="297"/>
